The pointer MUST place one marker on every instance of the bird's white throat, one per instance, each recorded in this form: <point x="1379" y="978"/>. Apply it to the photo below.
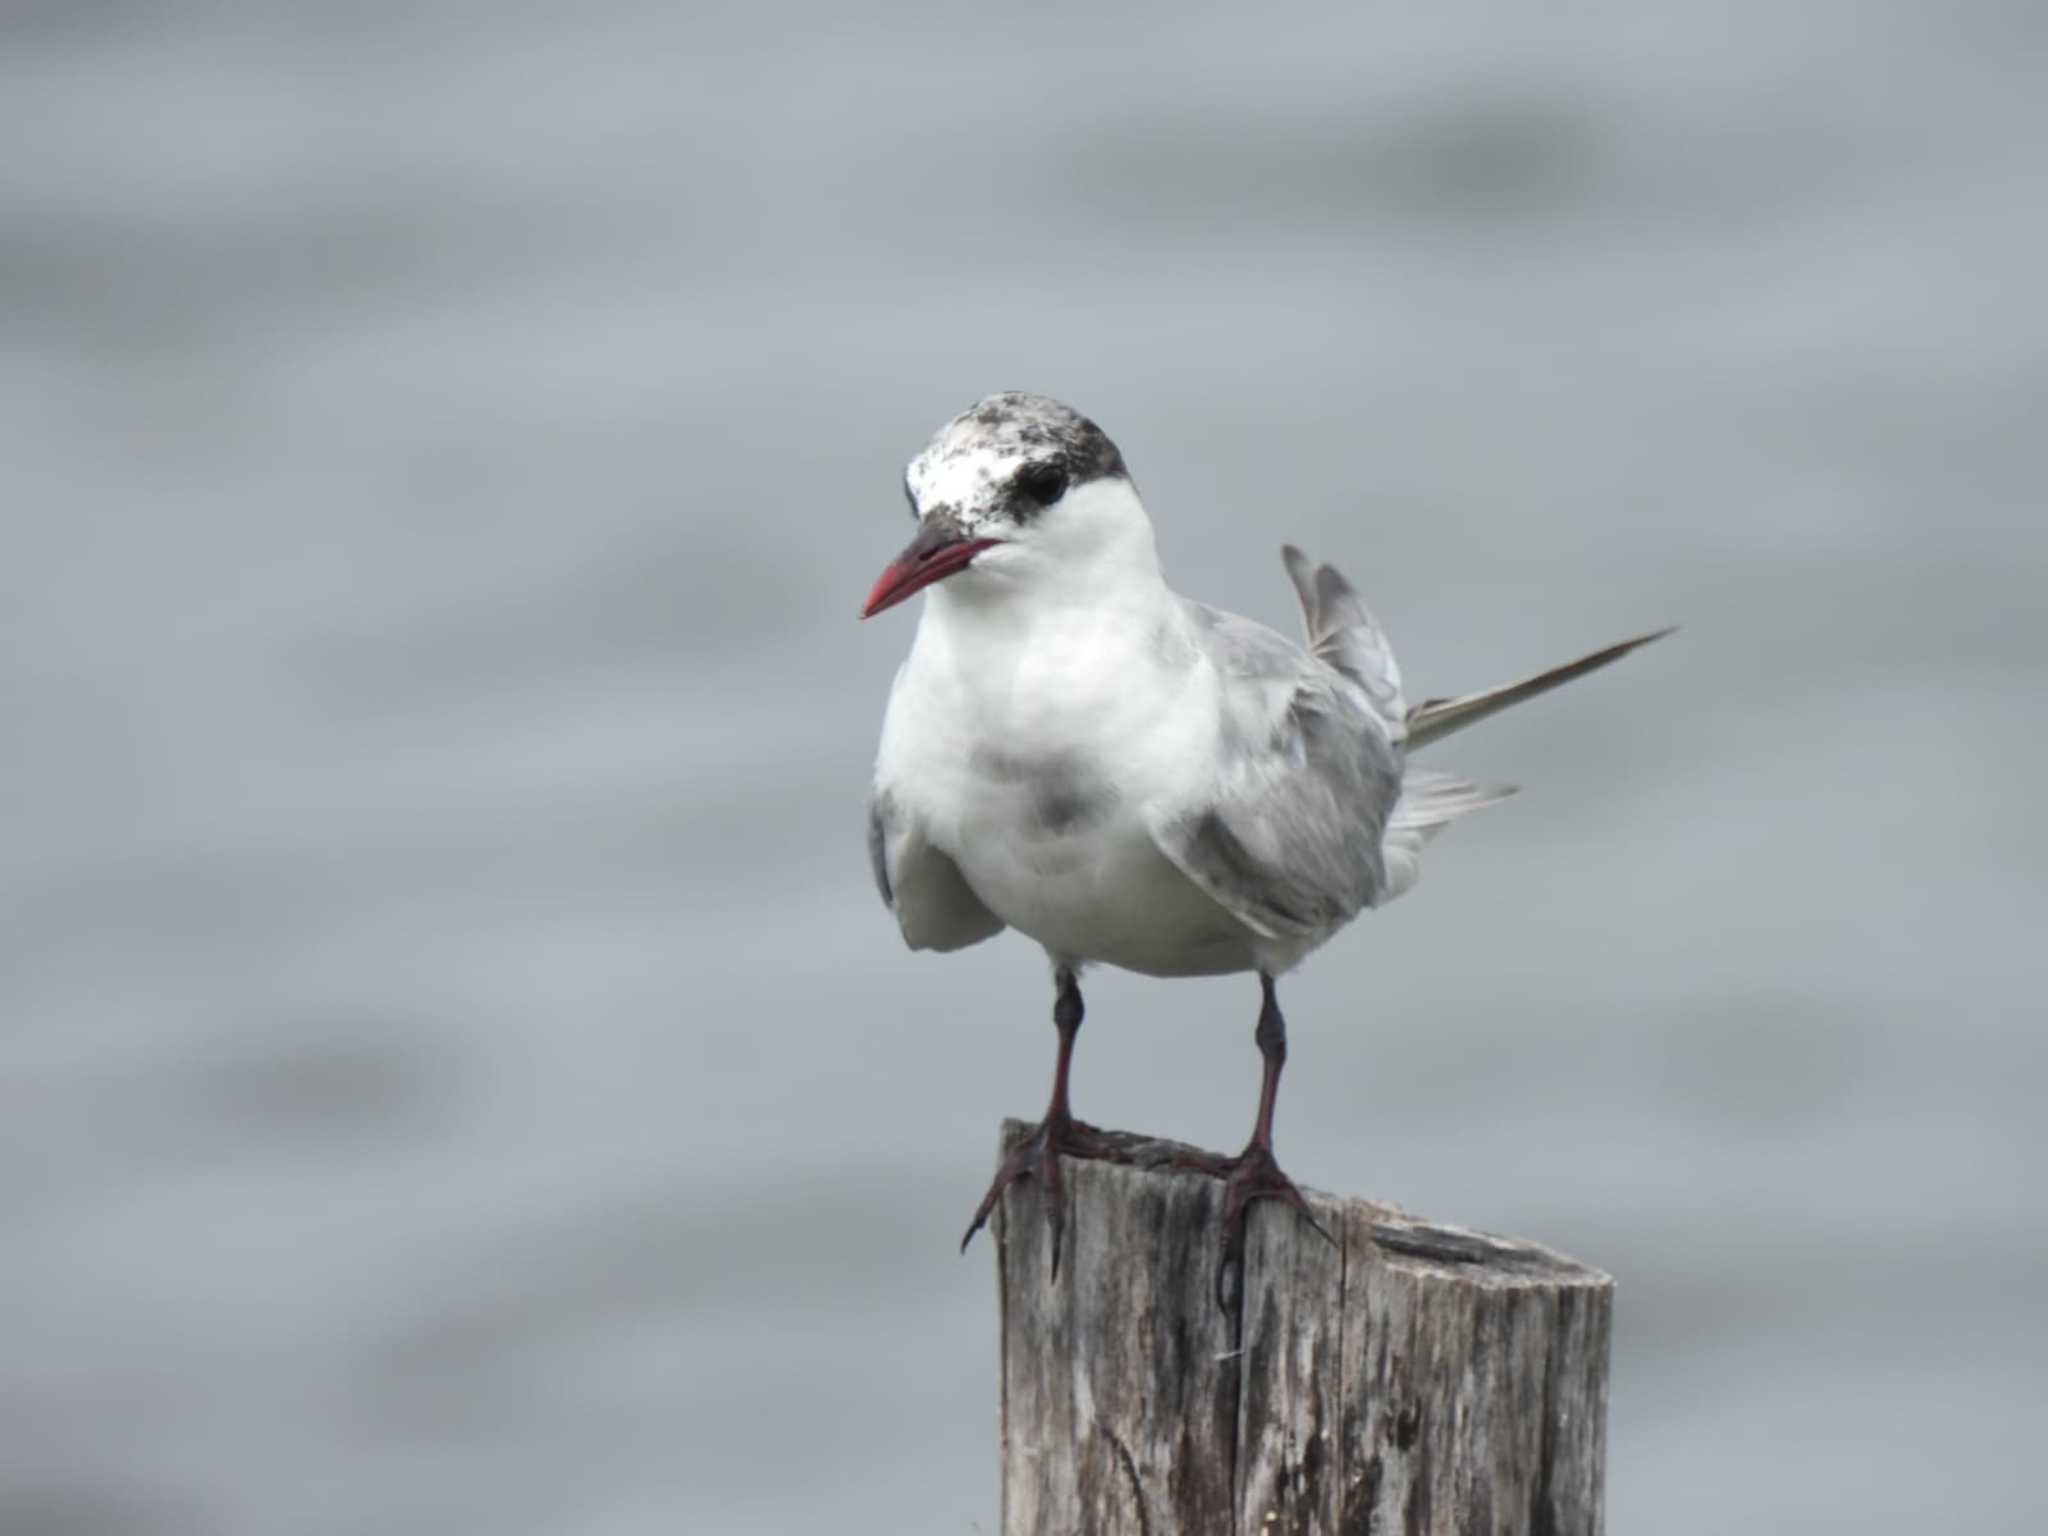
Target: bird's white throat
<point x="1094" y="551"/>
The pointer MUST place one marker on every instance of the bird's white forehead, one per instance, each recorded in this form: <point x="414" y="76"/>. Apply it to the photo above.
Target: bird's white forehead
<point x="963" y="468"/>
<point x="981" y="449"/>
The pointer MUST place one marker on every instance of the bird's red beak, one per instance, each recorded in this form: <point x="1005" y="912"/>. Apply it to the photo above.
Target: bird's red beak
<point x="936" y="553"/>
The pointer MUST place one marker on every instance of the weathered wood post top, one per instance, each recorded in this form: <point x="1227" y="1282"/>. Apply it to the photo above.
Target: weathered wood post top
<point x="1405" y="1378"/>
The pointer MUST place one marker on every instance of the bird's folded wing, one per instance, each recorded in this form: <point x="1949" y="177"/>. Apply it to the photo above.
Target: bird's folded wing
<point x="1433" y="718"/>
<point x="1342" y="634"/>
<point x="934" y="905"/>
<point x="1286" y="836"/>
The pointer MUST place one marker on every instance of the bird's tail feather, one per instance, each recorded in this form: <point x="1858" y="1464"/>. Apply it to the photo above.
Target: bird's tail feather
<point x="1433" y="718"/>
<point x="1430" y="801"/>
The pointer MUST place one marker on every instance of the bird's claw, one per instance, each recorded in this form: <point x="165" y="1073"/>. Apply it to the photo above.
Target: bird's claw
<point x="1254" y="1174"/>
<point x="1037" y="1155"/>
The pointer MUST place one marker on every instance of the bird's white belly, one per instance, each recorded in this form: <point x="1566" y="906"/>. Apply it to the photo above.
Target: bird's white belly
<point x="1099" y="891"/>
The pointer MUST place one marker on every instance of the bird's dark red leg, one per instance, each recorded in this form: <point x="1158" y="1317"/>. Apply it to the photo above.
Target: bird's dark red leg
<point x="1254" y="1174"/>
<point x="1059" y="1133"/>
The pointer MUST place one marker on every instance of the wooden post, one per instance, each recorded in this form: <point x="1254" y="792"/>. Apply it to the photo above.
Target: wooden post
<point x="1407" y="1378"/>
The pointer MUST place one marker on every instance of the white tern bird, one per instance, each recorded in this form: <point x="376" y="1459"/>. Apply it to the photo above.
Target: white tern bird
<point x="1128" y="777"/>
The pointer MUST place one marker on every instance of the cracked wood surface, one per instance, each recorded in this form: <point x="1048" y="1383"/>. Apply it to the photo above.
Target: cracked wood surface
<point x="1409" y="1378"/>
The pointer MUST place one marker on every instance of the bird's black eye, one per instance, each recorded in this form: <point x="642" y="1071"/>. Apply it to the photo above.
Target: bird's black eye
<point x="1043" y="483"/>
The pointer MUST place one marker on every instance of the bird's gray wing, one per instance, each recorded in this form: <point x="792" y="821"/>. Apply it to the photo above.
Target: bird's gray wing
<point x="934" y="905"/>
<point x="1342" y="634"/>
<point x="1286" y="835"/>
<point x="1433" y="718"/>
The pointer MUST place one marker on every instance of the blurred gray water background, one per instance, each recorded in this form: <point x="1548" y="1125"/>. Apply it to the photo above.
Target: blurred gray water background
<point x="455" y="1073"/>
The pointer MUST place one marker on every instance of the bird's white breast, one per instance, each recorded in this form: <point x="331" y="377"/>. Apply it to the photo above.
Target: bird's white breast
<point x="1031" y="752"/>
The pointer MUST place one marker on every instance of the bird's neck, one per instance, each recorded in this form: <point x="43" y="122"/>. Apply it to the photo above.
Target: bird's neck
<point x="1117" y="576"/>
<point x="1061" y="611"/>
<point x="1050" y="658"/>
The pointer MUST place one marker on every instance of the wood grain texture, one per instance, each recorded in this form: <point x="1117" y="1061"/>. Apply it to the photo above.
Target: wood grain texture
<point x="1406" y="1378"/>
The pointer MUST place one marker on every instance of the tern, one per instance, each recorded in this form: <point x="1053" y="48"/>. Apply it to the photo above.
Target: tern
<point x="1126" y="776"/>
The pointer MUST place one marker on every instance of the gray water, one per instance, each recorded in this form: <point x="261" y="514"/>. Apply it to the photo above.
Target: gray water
<point x="455" y="1073"/>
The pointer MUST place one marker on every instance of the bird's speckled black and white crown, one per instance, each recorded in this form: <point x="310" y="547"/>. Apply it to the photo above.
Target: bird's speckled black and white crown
<point x="989" y="446"/>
